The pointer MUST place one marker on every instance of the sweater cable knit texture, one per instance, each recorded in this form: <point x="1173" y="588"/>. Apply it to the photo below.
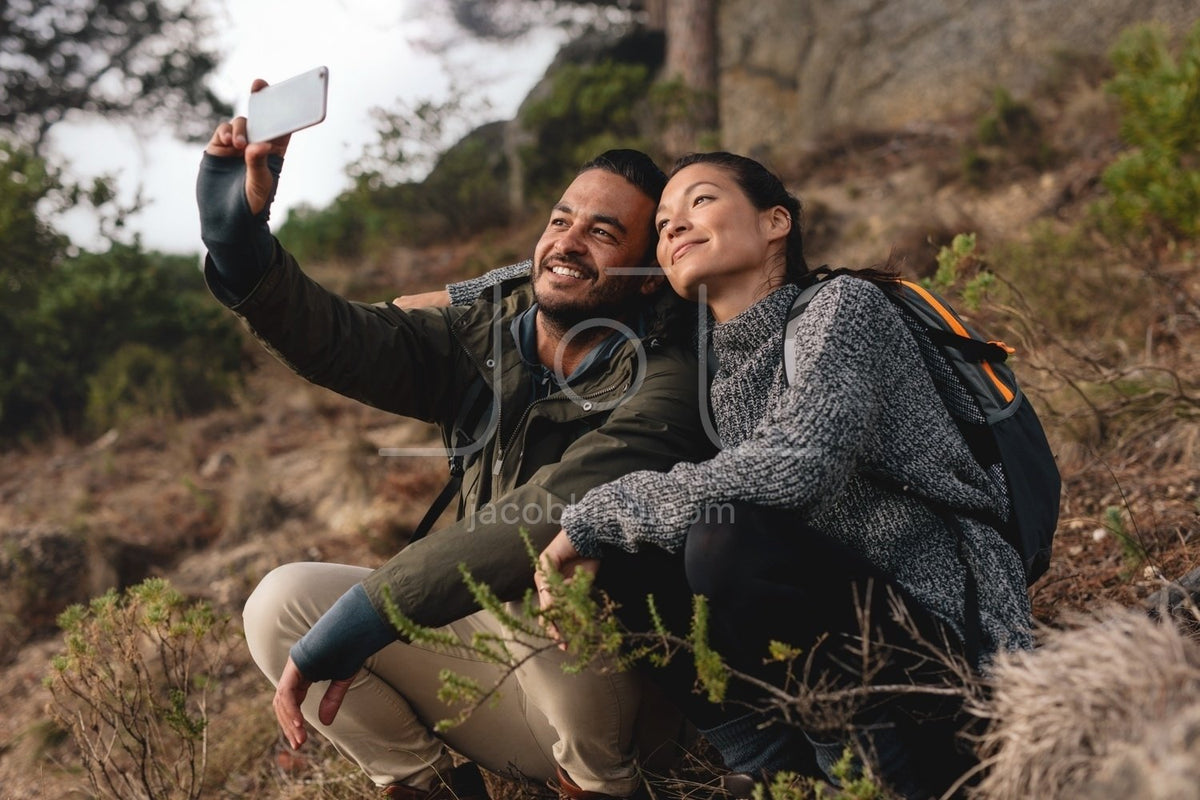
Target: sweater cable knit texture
<point x="860" y="446"/>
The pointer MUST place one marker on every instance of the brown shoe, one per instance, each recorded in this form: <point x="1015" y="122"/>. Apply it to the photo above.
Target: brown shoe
<point x="569" y="790"/>
<point x="463" y="782"/>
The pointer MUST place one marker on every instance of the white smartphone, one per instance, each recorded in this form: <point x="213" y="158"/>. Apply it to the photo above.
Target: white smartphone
<point x="288" y="106"/>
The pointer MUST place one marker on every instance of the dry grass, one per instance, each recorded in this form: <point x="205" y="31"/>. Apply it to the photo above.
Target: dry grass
<point x="1111" y="699"/>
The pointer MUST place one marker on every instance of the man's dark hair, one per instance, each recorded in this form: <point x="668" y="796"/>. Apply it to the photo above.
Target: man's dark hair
<point x="640" y="170"/>
<point x="635" y="167"/>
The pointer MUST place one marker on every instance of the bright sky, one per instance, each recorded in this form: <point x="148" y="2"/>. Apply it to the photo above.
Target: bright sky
<point x="369" y="49"/>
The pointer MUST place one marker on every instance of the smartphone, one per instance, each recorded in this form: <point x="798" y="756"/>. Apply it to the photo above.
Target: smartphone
<point x="288" y="106"/>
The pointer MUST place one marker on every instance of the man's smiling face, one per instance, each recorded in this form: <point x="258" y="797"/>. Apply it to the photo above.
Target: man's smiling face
<point x="599" y="228"/>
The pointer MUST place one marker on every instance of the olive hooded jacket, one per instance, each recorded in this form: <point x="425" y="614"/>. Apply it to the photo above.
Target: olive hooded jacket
<point x="641" y="408"/>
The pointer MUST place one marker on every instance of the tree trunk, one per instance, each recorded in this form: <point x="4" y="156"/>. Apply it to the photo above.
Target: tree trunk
<point x="656" y="15"/>
<point x="691" y="61"/>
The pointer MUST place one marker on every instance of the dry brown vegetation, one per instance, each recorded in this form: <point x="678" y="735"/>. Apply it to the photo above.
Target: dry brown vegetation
<point x="1107" y="339"/>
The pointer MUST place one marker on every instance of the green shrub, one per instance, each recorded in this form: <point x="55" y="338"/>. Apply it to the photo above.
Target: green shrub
<point x="140" y="380"/>
<point x="1155" y="186"/>
<point x="83" y="310"/>
<point x="1010" y="136"/>
<point x="323" y="234"/>
<point x="132" y="687"/>
<point x="589" y="108"/>
<point x="960" y="267"/>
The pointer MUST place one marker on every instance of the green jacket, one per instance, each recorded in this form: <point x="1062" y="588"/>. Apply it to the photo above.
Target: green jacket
<point x="639" y="409"/>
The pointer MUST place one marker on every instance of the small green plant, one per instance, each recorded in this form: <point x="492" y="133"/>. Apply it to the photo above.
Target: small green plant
<point x="132" y="688"/>
<point x="960" y="267"/>
<point x="587" y="625"/>
<point x="852" y="783"/>
<point x="1009" y="136"/>
<point x="1133" y="553"/>
<point x="1155" y="186"/>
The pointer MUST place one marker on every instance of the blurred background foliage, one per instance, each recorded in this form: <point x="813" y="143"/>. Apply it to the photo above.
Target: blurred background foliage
<point x="87" y="339"/>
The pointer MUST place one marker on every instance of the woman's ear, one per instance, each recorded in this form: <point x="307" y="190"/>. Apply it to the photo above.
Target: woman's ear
<point x="779" y="221"/>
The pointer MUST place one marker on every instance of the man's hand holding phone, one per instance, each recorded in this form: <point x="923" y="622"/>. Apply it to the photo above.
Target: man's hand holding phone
<point x="230" y="139"/>
<point x="274" y="112"/>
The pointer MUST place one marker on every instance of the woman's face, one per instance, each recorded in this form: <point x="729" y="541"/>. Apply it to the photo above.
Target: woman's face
<point x="710" y="234"/>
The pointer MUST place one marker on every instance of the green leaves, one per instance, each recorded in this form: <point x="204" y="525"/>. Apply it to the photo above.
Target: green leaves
<point x="1155" y="186"/>
<point x="143" y="58"/>
<point x="132" y="687"/>
<point x="100" y="338"/>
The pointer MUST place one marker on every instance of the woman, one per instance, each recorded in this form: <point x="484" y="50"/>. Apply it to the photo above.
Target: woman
<point x="834" y="498"/>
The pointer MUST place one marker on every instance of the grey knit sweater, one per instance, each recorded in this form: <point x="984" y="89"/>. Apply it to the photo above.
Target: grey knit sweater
<point x="860" y="446"/>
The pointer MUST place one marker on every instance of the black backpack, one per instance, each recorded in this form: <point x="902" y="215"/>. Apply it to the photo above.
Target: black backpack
<point x="983" y="397"/>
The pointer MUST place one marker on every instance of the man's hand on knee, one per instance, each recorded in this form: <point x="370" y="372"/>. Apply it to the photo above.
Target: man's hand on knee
<point x="332" y="700"/>
<point x="289" y="694"/>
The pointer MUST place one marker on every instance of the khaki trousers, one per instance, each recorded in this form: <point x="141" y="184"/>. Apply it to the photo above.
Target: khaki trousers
<point x="587" y="722"/>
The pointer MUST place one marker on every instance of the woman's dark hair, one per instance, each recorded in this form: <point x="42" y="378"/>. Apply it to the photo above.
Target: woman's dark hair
<point x="764" y="190"/>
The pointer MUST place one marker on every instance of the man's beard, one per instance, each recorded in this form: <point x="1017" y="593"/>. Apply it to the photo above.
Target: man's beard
<point x="614" y="299"/>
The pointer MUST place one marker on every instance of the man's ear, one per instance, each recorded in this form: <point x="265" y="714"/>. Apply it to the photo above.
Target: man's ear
<point x="652" y="283"/>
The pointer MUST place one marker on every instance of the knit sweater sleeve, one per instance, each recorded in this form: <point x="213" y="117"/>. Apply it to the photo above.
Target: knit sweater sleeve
<point x="463" y="293"/>
<point x="806" y="447"/>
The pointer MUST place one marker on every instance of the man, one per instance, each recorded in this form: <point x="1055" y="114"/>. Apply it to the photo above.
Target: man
<point x="589" y="376"/>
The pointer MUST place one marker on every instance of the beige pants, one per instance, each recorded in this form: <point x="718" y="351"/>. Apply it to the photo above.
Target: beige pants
<point x="586" y="722"/>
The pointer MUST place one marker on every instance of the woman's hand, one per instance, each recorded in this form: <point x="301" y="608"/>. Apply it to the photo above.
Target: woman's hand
<point x="559" y="556"/>
<point x="439" y="298"/>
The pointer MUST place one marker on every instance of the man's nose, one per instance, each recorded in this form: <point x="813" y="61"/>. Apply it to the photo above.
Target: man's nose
<point x="571" y="240"/>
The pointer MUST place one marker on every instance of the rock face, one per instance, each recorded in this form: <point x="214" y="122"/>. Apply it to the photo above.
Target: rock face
<point x="42" y="571"/>
<point x="794" y="70"/>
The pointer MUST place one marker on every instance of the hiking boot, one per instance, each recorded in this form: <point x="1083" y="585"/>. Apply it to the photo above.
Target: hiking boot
<point x="738" y="785"/>
<point x="569" y="790"/>
<point x="463" y="782"/>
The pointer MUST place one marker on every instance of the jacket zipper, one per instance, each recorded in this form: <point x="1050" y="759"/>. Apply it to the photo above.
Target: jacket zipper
<point x="503" y="451"/>
<point x="480" y="369"/>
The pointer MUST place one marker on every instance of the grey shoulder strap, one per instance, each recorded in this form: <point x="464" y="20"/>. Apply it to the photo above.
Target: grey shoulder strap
<point x="789" y="331"/>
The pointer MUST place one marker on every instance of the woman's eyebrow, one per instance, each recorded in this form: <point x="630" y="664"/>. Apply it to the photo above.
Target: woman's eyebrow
<point x="691" y="188"/>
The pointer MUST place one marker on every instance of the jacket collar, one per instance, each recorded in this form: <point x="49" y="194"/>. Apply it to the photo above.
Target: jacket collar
<point x="484" y="329"/>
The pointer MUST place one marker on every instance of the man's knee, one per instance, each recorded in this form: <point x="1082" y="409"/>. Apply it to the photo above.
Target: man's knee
<point x="285" y="604"/>
<point x="262" y="619"/>
<point x="274" y="592"/>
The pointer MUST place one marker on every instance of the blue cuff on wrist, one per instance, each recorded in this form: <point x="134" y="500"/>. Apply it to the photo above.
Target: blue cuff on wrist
<point x="345" y="636"/>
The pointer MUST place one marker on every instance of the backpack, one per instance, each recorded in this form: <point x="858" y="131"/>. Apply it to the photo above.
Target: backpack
<point x="984" y="399"/>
